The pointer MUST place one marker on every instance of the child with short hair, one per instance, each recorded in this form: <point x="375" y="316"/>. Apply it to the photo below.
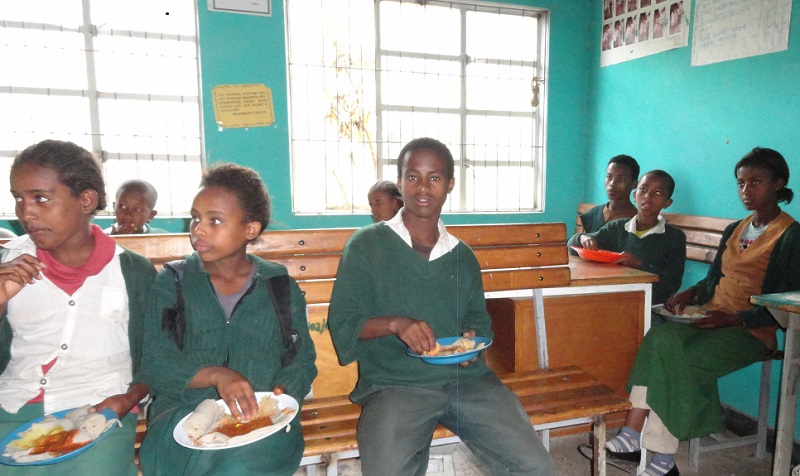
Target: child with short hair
<point x="72" y="304"/>
<point x="622" y="174"/>
<point x="384" y="200"/>
<point x="647" y="241"/>
<point x="134" y="208"/>
<point x="400" y="284"/>
<point x="231" y="344"/>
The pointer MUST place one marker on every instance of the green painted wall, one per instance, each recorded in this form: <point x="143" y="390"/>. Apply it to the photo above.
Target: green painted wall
<point x="696" y="122"/>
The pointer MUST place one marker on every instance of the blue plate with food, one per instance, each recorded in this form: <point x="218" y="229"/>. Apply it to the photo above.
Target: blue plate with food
<point x="452" y="350"/>
<point x="56" y="437"/>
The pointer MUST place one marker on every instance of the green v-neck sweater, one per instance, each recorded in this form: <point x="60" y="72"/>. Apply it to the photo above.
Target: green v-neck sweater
<point x="380" y="275"/>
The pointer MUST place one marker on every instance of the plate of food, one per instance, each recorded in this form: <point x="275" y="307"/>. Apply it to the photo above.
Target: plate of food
<point x="452" y="350"/>
<point x="211" y="427"/>
<point x="599" y="256"/>
<point x="690" y="313"/>
<point x="56" y="437"/>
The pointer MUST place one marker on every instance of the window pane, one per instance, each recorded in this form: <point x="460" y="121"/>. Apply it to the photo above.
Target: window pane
<point x="503" y="87"/>
<point x="159" y="16"/>
<point x="420" y="82"/>
<point x="150" y="127"/>
<point x="44" y="59"/>
<point x="174" y="61"/>
<point x="54" y="12"/>
<point x="523" y="29"/>
<point x="417" y="28"/>
<point x="30" y="118"/>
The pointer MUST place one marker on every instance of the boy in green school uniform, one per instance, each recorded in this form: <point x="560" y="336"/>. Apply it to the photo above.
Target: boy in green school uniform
<point x="401" y="284"/>
<point x="646" y="240"/>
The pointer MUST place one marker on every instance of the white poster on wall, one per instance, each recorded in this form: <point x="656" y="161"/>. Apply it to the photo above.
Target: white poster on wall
<point x="733" y="29"/>
<point x="636" y="28"/>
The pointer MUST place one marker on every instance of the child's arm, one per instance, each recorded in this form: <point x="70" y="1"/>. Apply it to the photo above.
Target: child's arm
<point x="123" y="403"/>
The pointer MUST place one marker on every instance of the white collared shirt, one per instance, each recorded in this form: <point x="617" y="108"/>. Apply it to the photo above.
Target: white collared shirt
<point x="444" y="244"/>
<point x="87" y="334"/>
<point x="660" y="227"/>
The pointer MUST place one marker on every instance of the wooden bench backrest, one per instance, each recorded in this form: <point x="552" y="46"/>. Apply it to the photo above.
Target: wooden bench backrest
<point x="702" y="233"/>
<point x="517" y="256"/>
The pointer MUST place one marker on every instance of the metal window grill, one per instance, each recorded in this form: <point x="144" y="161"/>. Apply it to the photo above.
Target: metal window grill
<point x="119" y="79"/>
<point x="368" y="76"/>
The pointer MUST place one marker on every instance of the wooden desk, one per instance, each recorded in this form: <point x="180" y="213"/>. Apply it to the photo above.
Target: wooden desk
<point x="785" y="307"/>
<point x="604" y="311"/>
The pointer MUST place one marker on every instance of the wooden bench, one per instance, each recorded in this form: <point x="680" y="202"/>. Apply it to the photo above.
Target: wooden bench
<point x="512" y="257"/>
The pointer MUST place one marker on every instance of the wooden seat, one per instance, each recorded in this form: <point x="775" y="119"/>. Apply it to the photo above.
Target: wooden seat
<point x="553" y="398"/>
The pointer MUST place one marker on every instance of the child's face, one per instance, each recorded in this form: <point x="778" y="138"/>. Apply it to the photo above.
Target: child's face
<point x="619" y="182"/>
<point x="651" y="196"/>
<point x="424" y="184"/>
<point x="218" y="230"/>
<point x="758" y="189"/>
<point x="383" y="205"/>
<point x="133" y="211"/>
<point x="48" y="211"/>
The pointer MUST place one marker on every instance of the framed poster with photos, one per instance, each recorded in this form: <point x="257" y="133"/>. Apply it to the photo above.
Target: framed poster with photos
<point x="636" y="28"/>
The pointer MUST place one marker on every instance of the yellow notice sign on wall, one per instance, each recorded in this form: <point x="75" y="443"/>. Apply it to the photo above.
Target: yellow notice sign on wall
<point x="243" y="105"/>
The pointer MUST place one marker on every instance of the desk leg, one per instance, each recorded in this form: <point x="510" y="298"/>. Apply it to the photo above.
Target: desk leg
<point x="788" y="402"/>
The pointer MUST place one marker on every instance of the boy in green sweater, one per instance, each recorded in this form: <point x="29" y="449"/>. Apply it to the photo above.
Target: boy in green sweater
<point x="400" y="284"/>
<point x="646" y="240"/>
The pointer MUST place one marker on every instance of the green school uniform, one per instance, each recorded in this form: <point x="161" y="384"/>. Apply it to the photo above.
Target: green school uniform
<point x="249" y="343"/>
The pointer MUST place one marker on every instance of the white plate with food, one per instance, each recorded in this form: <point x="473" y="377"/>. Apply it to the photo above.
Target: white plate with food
<point x="453" y="350"/>
<point x="690" y="313"/>
<point x="57" y="437"/>
<point x="211" y="426"/>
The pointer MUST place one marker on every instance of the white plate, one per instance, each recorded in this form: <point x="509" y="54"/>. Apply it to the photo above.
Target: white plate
<point x="284" y="401"/>
<point x="695" y="313"/>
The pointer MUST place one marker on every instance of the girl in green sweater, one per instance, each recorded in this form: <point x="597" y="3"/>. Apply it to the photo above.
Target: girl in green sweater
<point x="231" y="344"/>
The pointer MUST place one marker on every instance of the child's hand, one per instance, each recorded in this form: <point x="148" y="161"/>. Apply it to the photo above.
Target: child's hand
<point x="237" y="393"/>
<point x="123" y="229"/>
<point x="123" y="403"/>
<point x="588" y="242"/>
<point x="678" y="301"/>
<point x="717" y="319"/>
<point x="417" y="335"/>
<point x="15" y="274"/>
<point x="629" y="260"/>
<point x="120" y="404"/>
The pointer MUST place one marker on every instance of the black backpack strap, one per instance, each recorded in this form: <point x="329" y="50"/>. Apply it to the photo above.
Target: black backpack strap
<point x="281" y="299"/>
<point x="173" y="319"/>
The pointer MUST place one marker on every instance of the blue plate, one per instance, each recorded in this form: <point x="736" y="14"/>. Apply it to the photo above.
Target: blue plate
<point x="15" y="435"/>
<point x="451" y="359"/>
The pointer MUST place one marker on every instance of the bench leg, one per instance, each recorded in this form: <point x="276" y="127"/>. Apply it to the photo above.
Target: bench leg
<point x="311" y="470"/>
<point x="544" y="435"/>
<point x="599" y="445"/>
